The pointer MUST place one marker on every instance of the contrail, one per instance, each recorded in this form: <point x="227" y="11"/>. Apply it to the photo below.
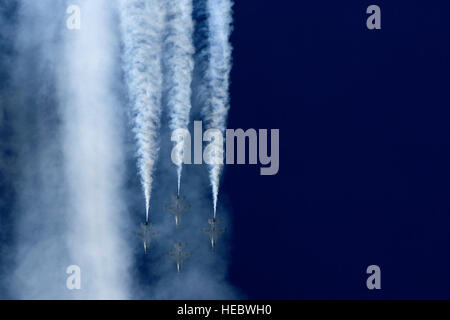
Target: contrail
<point x="92" y="131"/>
<point x="215" y="108"/>
<point x="142" y="26"/>
<point x="179" y="63"/>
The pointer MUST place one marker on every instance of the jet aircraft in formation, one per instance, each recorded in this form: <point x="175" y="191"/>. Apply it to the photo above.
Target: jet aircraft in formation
<point x="179" y="254"/>
<point x="146" y="234"/>
<point x="214" y="231"/>
<point x="178" y="207"/>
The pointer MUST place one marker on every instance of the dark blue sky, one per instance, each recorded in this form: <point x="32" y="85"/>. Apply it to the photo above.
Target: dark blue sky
<point x="365" y="149"/>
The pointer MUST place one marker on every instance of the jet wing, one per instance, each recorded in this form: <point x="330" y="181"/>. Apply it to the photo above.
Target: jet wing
<point x="185" y="208"/>
<point x="153" y="234"/>
<point x="140" y="235"/>
<point x="186" y="255"/>
<point x="173" y="209"/>
<point x="221" y="230"/>
<point x="206" y="230"/>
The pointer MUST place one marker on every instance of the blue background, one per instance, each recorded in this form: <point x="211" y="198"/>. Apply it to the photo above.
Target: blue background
<point x="364" y="150"/>
<point x="364" y="162"/>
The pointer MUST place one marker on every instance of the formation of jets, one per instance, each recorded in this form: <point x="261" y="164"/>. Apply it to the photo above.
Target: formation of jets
<point x="177" y="208"/>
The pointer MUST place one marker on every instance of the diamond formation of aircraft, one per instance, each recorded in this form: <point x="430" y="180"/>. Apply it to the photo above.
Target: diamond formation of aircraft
<point x="178" y="208"/>
<point x="146" y="235"/>
<point x="179" y="254"/>
<point x="214" y="231"/>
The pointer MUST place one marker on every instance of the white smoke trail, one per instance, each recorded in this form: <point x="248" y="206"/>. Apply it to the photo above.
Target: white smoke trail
<point x="215" y="109"/>
<point x="179" y="63"/>
<point x="92" y="133"/>
<point x="142" y="22"/>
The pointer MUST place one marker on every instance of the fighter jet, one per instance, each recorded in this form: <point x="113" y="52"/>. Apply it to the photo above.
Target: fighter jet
<point x="214" y="231"/>
<point x="178" y="208"/>
<point x="146" y="235"/>
<point x="179" y="255"/>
